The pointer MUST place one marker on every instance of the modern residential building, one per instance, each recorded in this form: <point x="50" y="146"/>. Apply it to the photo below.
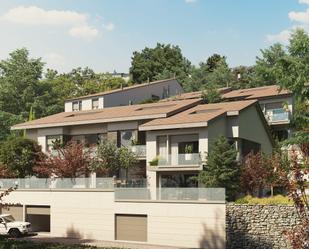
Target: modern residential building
<point x="276" y="104"/>
<point x="135" y="94"/>
<point x="171" y="139"/>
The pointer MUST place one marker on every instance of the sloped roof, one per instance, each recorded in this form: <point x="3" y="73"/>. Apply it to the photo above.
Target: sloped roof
<point x="257" y="93"/>
<point x="198" y="116"/>
<point x="195" y="95"/>
<point x="123" y="89"/>
<point x="111" y="114"/>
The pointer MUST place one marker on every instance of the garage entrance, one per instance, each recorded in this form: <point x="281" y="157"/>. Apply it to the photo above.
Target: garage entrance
<point x="39" y="217"/>
<point x="15" y="211"/>
<point x="131" y="227"/>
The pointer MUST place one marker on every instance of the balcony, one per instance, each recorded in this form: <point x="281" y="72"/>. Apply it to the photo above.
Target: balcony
<point x="171" y="194"/>
<point x="177" y="161"/>
<point x="139" y="150"/>
<point x="278" y="115"/>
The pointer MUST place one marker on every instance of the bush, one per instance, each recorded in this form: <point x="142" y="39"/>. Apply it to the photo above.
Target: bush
<point x="276" y="200"/>
<point x="19" y="155"/>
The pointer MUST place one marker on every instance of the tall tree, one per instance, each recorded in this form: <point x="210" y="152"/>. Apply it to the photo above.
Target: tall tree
<point x="212" y="74"/>
<point x="19" y="82"/>
<point x="161" y="62"/>
<point x="221" y="168"/>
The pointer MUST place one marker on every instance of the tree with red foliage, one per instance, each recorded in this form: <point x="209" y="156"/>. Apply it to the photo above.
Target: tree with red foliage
<point x="71" y="161"/>
<point x="295" y="183"/>
<point x="256" y="173"/>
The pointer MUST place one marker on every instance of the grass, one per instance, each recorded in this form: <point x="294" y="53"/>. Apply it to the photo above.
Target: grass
<point x="23" y="244"/>
<point x="275" y="200"/>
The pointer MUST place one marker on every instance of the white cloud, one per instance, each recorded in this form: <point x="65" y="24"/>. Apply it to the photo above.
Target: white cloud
<point x="35" y="16"/>
<point x="85" y="32"/>
<point x="304" y="1"/>
<point x="302" y="17"/>
<point x="283" y="36"/>
<point x="109" y="26"/>
<point x="190" y="1"/>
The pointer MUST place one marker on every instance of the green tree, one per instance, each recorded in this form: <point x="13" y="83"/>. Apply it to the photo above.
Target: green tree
<point x="289" y="68"/>
<point x="214" y="61"/>
<point x="20" y="155"/>
<point x="110" y="159"/>
<point x="243" y="77"/>
<point x="213" y="74"/>
<point x="161" y="62"/>
<point x="6" y="121"/>
<point x="221" y="169"/>
<point x="19" y="82"/>
<point x="266" y="65"/>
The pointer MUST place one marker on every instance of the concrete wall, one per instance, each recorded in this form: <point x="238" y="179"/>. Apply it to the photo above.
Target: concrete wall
<point x="259" y="226"/>
<point x="251" y="127"/>
<point x="91" y="215"/>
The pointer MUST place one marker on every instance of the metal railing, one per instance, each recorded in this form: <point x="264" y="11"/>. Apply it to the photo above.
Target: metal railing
<point x="176" y="160"/>
<point x="171" y="194"/>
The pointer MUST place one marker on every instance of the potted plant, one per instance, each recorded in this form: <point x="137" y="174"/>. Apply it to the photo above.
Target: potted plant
<point x="154" y="162"/>
<point x="188" y="152"/>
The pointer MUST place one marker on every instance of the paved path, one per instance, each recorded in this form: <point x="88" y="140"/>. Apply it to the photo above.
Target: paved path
<point x="99" y="243"/>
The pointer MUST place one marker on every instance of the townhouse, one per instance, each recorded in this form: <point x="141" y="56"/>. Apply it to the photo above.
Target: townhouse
<point x="171" y="139"/>
<point x="276" y="104"/>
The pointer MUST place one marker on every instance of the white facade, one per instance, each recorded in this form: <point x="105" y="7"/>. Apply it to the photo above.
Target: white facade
<point x="86" y="214"/>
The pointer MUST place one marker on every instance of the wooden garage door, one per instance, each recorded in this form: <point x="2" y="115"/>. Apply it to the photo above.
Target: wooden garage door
<point x="131" y="227"/>
<point x="39" y="217"/>
<point x="15" y="211"/>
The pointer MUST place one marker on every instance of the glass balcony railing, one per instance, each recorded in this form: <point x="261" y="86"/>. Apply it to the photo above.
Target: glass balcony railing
<point x="139" y="150"/>
<point x="277" y="115"/>
<point x="172" y="194"/>
<point x="178" y="160"/>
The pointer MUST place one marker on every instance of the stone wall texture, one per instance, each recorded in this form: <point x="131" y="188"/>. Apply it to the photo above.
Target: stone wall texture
<point x="258" y="226"/>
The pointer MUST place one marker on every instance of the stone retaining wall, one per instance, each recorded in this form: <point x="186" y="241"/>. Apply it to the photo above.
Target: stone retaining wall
<point x="258" y="226"/>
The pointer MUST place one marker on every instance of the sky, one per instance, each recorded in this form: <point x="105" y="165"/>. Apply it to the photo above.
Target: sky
<point x="103" y="34"/>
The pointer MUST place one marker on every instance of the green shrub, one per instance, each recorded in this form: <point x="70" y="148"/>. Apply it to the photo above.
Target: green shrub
<point x="276" y="200"/>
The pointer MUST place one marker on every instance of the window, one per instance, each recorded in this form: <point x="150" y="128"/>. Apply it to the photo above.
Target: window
<point x="188" y="147"/>
<point x="162" y="146"/>
<point x="126" y="138"/>
<point x="51" y="141"/>
<point x="76" y="106"/>
<point x="95" y="103"/>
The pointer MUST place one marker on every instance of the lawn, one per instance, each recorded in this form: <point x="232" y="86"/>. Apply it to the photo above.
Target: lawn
<point x="22" y="244"/>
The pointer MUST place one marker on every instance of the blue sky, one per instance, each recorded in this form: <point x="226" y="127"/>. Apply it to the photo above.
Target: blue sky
<point x="103" y="34"/>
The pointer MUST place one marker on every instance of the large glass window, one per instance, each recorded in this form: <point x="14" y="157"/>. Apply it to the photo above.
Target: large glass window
<point x="179" y="180"/>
